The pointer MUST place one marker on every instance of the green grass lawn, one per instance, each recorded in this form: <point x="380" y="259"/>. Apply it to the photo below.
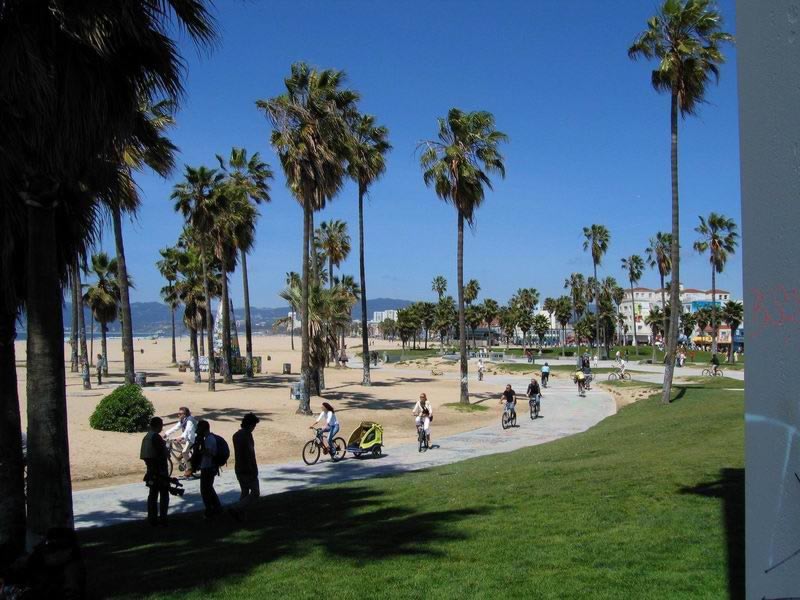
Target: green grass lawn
<point x="466" y="408"/>
<point x="647" y="504"/>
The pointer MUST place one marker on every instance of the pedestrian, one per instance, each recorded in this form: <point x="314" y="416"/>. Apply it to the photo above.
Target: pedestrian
<point x="595" y="360"/>
<point x="99" y="369"/>
<point x="154" y="455"/>
<point x="626" y="355"/>
<point x="204" y="456"/>
<point x="244" y="452"/>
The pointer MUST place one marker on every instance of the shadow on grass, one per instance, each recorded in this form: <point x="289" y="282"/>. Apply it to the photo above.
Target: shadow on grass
<point x="730" y="489"/>
<point x="355" y="523"/>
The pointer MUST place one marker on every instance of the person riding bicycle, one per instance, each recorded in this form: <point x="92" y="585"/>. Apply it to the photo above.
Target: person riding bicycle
<point x="423" y="415"/>
<point x="533" y="389"/>
<point x="714" y="363"/>
<point x="331" y="424"/>
<point x="545" y="374"/>
<point x="580" y="378"/>
<point x="187" y="425"/>
<point x="510" y="398"/>
<point x="622" y="367"/>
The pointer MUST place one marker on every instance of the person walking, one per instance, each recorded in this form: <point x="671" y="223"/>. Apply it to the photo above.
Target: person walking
<point x="244" y="452"/>
<point x="99" y="369"/>
<point x="204" y="456"/>
<point x="154" y="454"/>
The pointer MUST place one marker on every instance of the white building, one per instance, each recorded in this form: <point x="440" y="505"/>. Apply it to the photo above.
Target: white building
<point x="379" y="316"/>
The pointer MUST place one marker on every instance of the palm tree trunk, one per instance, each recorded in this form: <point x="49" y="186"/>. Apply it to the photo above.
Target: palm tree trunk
<point x="633" y="316"/>
<point x="563" y="340"/>
<point x="597" y="312"/>
<point x="664" y="308"/>
<point x="73" y="335"/>
<point x="714" y="325"/>
<point x="330" y="274"/>
<point x="172" y="316"/>
<point x="226" y="330"/>
<point x="91" y="338"/>
<point x="87" y="381"/>
<point x="365" y="379"/>
<point x="124" y="297"/>
<point x="195" y="355"/>
<point x="104" y="347"/>
<point x="49" y="484"/>
<point x="212" y="383"/>
<point x="291" y="327"/>
<point x="12" y="500"/>
<point x="672" y="338"/>
<point x="248" y="324"/>
<point x="202" y="341"/>
<point x="305" y="366"/>
<point x="462" y="327"/>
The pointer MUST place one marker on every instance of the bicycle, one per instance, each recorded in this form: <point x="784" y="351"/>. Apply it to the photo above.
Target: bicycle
<point x="613" y="376"/>
<point x="509" y="418"/>
<point x="314" y="448"/>
<point x="711" y="373"/>
<point x="422" y="438"/>
<point x="175" y="456"/>
<point x="545" y="378"/>
<point x="535" y="405"/>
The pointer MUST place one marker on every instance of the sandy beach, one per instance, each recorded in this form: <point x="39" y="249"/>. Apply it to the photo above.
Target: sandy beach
<point x="101" y="458"/>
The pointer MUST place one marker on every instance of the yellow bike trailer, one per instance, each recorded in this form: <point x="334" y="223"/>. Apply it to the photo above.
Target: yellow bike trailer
<point x="367" y="438"/>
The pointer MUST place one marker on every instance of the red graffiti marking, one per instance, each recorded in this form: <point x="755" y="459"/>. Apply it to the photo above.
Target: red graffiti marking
<point x="777" y="307"/>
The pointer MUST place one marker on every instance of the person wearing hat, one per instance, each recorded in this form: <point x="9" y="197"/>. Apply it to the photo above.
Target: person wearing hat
<point x="246" y="468"/>
<point x="331" y="424"/>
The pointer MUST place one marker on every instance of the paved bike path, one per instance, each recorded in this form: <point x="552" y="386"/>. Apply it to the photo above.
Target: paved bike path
<point x="563" y="413"/>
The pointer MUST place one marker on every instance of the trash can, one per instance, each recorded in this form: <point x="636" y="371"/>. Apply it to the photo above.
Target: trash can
<point x="287" y="368"/>
<point x="140" y="378"/>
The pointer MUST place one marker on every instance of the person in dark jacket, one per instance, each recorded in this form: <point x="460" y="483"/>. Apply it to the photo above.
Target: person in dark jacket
<point x="154" y="455"/>
<point x="204" y="458"/>
<point x="246" y="468"/>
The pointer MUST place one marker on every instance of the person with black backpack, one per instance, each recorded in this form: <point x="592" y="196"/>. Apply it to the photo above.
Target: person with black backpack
<point x="212" y="452"/>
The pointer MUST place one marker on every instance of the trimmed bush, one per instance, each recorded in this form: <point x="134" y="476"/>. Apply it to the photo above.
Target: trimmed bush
<point x="125" y="409"/>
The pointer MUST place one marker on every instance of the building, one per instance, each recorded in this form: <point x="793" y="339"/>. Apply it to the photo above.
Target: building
<point x="379" y="316"/>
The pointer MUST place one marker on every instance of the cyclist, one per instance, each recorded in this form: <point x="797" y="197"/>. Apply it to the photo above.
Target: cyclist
<point x="579" y="379"/>
<point x="714" y="363"/>
<point x="545" y="374"/>
<point x="510" y="398"/>
<point x="423" y="413"/>
<point x="187" y="425"/>
<point x="622" y="367"/>
<point x="534" y="391"/>
<point x="331" y="424"/>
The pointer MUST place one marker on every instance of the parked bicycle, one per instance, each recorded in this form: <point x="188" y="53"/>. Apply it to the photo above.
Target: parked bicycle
<point x="314" y="448"/>
<point x="621" y="375"/>
<point x="535" y="405"/>
<point x="175" y="456"/>
<point x="712" y="373"/>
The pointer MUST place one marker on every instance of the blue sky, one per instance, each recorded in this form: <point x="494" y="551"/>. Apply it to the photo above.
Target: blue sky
<point x="589" y="140"/>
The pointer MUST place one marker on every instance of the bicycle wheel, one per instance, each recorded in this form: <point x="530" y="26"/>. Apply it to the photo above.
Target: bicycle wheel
<point x="706" y="372"/>
<point x="612" y="376"/>
<point x="720" y="373"/>
<point x="537" y="407"/>
<point x="169" y="461"/>
<point x="505" y="421"/>
<point x="311" y="452"/>
<point x="626" y="377"/>
<point x="532" y="405"/>
<point x="339" y="449"/>
<point x="422" y="440"/>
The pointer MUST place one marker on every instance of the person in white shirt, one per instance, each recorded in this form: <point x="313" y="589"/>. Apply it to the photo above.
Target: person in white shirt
<point x="595" y="361"/>
<point x="423" y="413"/>
<point x="622" y="366"/>
<point x="331" y="424"/>
<point x="187" y="426"/>
<point x="480" y="368"/>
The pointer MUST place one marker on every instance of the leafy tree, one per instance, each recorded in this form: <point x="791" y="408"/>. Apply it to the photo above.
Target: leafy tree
<point x="596" y="242"/>
<point x="457" y="165"/>
<point x="388" y="327"/>
<point x="717" y="236"/>
<point x="439" y="285"/>
<point x="685" y="38"/>
<point x="311" y="136"/>
<point x="733" y="315"/>
<point x="366" y="163"/>
<point x="633" y="267"/>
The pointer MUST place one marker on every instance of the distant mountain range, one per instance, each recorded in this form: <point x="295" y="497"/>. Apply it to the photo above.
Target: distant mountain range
<point x="150" y="318"/>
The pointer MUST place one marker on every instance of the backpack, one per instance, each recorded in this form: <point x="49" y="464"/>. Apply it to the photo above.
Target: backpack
<point x="223" y="451"/>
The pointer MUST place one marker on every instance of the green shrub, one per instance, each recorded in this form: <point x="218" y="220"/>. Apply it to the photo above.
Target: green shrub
<point x="125" y="409"/>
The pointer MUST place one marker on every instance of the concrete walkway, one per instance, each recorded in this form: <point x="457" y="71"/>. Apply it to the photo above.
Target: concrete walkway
<point x="563" y="413"/>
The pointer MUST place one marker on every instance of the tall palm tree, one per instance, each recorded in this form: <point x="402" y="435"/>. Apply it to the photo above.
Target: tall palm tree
<point x="659" y="256"/>
<point x="103" y="298"/>
<point x="563" y="312"/>
<point x="474" y="318"/>
<point x="655" y="320"/>
<point x="576" y="284"/>
<point x="703" y="320"/>
<point x="717" y="236"/>
<point x="168" y="267"/>
<point x="427" y="313"/>
<point x="490" y="309"/>
<point x="457" y="165"/>
<point x="685" y="38"/>
<point x="439" y="285"/>
<point x="366" y="163"/>
<point x="292" y="280"/>
<point x="311" y="136"/>
<point x="84" y="355"/>
<point x="332" y="238"/>
<point x="733" y="315"/>
<point x="596" y="239"/>
<point x="195" y="199"/>
<point x="633" y="267"/>
<point x="525" y="300"/>
<point x="249" y="179"/>
<point x="471" y="291"/>
<point x="618" y="296"/>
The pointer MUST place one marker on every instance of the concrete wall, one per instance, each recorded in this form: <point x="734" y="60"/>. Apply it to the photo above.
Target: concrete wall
<point x="769" y="109"/>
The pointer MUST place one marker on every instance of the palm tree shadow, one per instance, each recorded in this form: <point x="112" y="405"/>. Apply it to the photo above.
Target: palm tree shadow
<point x="730" y="489"/>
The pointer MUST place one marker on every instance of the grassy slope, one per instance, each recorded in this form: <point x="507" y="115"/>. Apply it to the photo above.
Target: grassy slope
<point x="635" y="507"/>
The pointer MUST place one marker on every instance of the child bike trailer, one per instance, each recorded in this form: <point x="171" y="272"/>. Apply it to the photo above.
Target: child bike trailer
<point x="367" y="438"/>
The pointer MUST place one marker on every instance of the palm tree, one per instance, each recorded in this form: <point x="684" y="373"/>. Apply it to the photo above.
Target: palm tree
<point x="703" y="319"/>
<point x="563" y="312"/>
<point x="103" y="297"/>
<point x="659" y="256"/>
<point x="457" y="165"/>
<point x="332" y="238"/>
<point x="655" y="320"/>
<point x="84" y="355"/>
<point x="471" y="291"/>
<point x="541" y="325"/>
<point x="685" y="38"/>
<point x="168" y="267"/>
<point x="718" y="236"/>
<point x="366" y="163"/>
<point x="311" y="136"/>
<point x="489" y="309"/>
<point x="596" y="241"/>
<point x="688" y="323"/>
<point x="633" y="267"/>
<point x="576" y="284"/>
<point x="733" y="315"/>
<point x="427" y="313"/>
<point x="439" y="285"/>
<point x="249" y="179"/>
<point x="474" y="318"/>
<point x="292" y="280"/>
<point x="525" y="300"/>
<point x="195" y="198"/>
